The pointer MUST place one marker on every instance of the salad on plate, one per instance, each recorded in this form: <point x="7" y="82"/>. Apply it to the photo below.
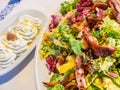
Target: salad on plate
<point x="82" y="46"/>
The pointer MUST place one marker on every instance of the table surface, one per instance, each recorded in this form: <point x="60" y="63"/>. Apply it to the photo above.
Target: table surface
<point x="22" y="77"/>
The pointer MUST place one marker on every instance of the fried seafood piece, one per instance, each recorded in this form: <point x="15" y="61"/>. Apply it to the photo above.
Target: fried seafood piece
<point x="115" y="8"/>
<point x="98" y="50"/>
<point x="80" y="73"/>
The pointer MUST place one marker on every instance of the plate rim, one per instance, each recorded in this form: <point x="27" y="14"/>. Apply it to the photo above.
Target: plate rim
<point x="37" y="57"/>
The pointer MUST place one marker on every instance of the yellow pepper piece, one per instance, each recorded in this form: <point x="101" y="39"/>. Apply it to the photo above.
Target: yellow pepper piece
<point x="47" y="36"/>
<point x="68" y="65"/>
<point x="99" y="83"/>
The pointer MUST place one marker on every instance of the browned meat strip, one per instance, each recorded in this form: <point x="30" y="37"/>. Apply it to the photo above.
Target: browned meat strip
<point x="101" y="5"/>
<point x="71" y="86"/>
<point x="79" y="73"/>
<point x="115" y="8"/>
<point x="98" y="50"/>
<point x="50" y="84"/>
<point x="66" y="79"/>
<point x="93" y="20"/>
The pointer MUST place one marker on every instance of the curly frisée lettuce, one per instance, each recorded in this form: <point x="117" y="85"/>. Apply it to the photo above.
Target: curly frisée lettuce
<point x="56" y="87"/>
<point x="67" y="6"/>
<point x="111" y="28"/>
<point x="58" y="78"/>
<point x="109" y="32"/>
<point x="62" y="37"/>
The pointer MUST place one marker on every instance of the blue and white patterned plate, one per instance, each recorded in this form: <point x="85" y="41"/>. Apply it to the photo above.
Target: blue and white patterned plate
<point x="8" y="8"/>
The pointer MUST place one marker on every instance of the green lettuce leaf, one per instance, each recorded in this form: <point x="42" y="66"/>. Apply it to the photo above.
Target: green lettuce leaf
<point x="67" y="6"/>
<point x="76" y="46"/>
<point x="56" y="87"/>
<point x="111" y="28"/>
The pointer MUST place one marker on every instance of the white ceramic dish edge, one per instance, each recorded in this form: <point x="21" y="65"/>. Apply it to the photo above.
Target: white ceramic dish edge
<point x="41" y="64"/>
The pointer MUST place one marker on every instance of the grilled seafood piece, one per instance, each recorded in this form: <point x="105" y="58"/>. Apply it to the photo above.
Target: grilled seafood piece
<point x="80" y="73"/>
<point x="98" y="50"/>
<point x="115" y="8"/>
<point x="71" y="86"/>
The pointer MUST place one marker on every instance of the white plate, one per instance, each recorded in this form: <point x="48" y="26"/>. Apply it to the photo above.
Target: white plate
<point x="10" y="21"/>
<point x="41" y="71"/>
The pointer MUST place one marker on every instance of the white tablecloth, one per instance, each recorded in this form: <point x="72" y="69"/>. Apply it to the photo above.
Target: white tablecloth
<point x="22" y="77"/>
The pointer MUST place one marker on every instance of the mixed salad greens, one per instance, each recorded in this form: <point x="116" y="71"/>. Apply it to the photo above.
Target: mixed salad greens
<point x="82" y="46"/>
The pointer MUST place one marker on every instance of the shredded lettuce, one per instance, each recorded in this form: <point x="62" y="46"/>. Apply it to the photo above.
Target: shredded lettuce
<point x="56" y="77"/>
<point x="90" y="78"/>
<point x="65" y="38"/>
<point x="117" y="55"/>
<point x="111" y="28"/>
<point x="106" y="63"/>
<point x="67" y="6"/>
<point x="116" y="81"/>
<point x="110" y="84"/>
<point x="103" y="64"/>
<point x="44" y="51"/>
<point x="109" y="34"/>
<point x="67" y="32"/>
<point x="93" y="87"/>
<point x="57" y="87"/>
